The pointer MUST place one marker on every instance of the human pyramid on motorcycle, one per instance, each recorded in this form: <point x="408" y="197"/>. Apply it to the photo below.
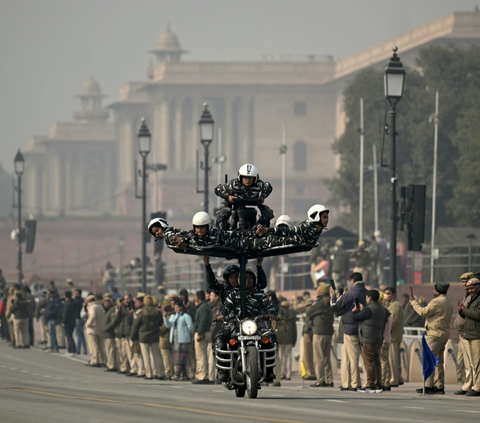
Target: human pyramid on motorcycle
<point x="237" y="230"/>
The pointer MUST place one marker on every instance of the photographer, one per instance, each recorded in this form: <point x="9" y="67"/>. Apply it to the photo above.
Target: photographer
<point x="351" y="375"/>
<point x="371" y="321"/>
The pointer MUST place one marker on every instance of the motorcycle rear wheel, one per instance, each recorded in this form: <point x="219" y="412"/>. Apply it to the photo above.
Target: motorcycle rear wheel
<point x="252" y="372"/>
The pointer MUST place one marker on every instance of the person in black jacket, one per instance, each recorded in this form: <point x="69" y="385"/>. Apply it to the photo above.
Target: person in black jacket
<point x="201" y="327"/>
<point x="79" y="321"/>
<point x="344" y="305"/>
<point x="69" y="318"/>
<point x="370" y="332"/>
<point x="51" y="311"/>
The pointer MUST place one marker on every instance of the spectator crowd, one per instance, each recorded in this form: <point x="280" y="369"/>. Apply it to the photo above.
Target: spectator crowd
<point x="169" y="337"/>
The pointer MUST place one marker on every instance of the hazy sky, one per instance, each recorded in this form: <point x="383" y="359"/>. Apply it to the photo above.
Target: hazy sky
<point x="50" y="47"/>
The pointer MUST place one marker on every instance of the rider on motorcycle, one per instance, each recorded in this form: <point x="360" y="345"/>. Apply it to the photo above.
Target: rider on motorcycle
<point x="230" y="278"/>
<point x="247" y="185"/>
<point x="257" y="304"/>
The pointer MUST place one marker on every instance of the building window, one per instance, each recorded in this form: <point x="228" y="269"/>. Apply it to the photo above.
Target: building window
<point x="300" y="156"/>
<point x="300" y="108"/>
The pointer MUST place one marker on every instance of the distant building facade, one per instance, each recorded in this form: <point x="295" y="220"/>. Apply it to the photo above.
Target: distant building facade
<point x="87" y="167"/>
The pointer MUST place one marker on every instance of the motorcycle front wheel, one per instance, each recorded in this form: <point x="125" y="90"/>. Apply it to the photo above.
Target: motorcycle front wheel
<point x="252" y="372"/>
<point x="240" y="391"/>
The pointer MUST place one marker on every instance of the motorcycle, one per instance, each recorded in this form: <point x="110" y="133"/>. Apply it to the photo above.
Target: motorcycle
<point x="250" y="352"/>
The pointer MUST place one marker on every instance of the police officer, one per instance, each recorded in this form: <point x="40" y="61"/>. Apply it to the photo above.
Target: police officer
<point x="437" y="313"/>
<point x="471" y="313"/>
<point x="463" y="348"/>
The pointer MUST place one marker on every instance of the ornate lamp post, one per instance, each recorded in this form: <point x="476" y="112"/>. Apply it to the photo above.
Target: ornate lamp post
<point x="19" y="164"/>
<point x="393" y="82"/>
<point x="144" y="147"/>
<point x="206" y="124"/>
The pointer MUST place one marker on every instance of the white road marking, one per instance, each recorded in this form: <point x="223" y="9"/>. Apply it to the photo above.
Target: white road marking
<point x="416" y="408"/>
<point x="467" y="411"/>
<point x="334" y="400"/>
<point x="218" y="391"/>
<point x="23" y="371"/>
<point x="13" y="368"/>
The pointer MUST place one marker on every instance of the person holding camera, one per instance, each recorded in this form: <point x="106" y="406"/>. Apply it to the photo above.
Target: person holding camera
<point x="371" y="319"/>
<point x="344" y="305"/>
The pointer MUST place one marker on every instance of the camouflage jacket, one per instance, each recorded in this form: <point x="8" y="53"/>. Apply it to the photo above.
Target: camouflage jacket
<point x="303" y="233"/>
<point x="170" y="234"/>
<point x="258" y="304"/>
<point x="224" y="290"/>
<point x="215" y="236"/>
<point x="237" y="189"/>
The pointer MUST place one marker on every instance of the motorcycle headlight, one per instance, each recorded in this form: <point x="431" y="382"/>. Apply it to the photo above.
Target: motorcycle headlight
<point x="249" y="327"/>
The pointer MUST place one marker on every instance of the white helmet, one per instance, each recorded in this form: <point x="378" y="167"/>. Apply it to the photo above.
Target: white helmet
<point x="163" y="223"/>
<point x="284" y="220"/>
<point x="314" y="212"/>
<point x="201" y="219"/>
<point x="248" y="170"/>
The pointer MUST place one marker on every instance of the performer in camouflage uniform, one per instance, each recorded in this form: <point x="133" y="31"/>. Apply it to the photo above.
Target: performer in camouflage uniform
<point x="306" y="232"/>
<point x="230" y="278"/>
<point x="257" y="304"/>
<point x="247" y="185"/>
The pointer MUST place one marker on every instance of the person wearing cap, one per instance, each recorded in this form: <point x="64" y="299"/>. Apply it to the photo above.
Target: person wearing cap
<point x="344" y="305"/>
<point x="340" y="263"/>
<point x="110" y="324"/>
<point x="301" y="305"/>
<point x="95" y="327"/>
<point x="372" y="321"/>
<point x="438" y="314"/>
<point x="165" y="344"/>
<point x="396" y="334"/>
<point x="146" y="330"/>
<point x="471" y="313"/>
<point x="285" y="349"/>
<point x="202" y="336"/>
<point x="362" y="260"/>
<point x="463" y="348"/>
<point x="322" y="318"/>
<point x="385" y="351"/>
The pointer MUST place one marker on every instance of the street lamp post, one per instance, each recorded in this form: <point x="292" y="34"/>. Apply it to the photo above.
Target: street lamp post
<point x="393" y="83"/>
<point x="19" y="163"/>
<point x="144" y="146"/>
<point x="206" y="124"/>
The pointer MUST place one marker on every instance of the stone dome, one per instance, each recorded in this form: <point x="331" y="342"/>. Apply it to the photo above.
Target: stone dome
<point x="168" y="42"/>
<point x="91" y="88"/>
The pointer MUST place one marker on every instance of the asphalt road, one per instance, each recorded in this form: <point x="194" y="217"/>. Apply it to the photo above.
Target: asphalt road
<point x="44" y="387"/>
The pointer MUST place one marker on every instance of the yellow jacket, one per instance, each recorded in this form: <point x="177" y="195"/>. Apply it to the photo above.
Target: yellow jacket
<point x="437" y="314"/>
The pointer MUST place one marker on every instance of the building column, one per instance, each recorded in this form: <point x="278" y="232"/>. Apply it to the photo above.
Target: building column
<point x="228" y="139"/>
<point x="108" y="185"/>
<point x="68" y="181"/>
<point x="163" y="137"/>
<point x="179" y="136"/>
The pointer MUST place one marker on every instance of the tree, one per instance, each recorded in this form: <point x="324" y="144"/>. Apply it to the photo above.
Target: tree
<point x="454" y="72"/>
<point x="5" y="192"/>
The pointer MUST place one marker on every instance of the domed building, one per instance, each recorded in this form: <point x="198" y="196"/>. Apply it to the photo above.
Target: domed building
<point x="71" y="171"/>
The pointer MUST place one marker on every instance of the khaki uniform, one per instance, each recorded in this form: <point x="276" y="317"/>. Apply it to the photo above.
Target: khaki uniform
<point x="463" y="349"/>
<point x="472" y="335"/>
<point x="146" y="330"/>
<point x="396" y="332"/>
<point x="95" y="328"/>
<point x="437" y="314"/>
<point x="166" y="351"/>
